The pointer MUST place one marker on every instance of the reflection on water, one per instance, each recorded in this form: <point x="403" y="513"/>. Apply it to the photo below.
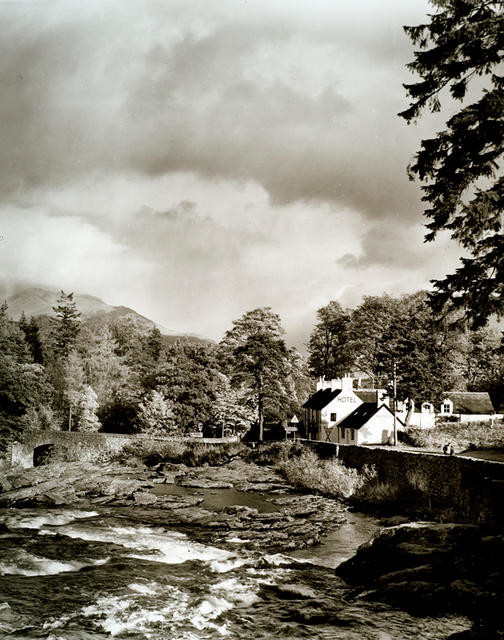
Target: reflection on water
<point x="216" y="499"/>
<point x="341" y="544"/>
<point x="70" y="575"/>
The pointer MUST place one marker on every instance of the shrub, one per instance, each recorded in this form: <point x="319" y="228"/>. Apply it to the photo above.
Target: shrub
<point x="78" y="452"/>
<point x="193" y="454"/>
<point x="199" y="453"/>
<point x="462" y="435"/>
<point x="328" y="477"/>
<point x="275" y="453"/>
<point x="411" y="494"/>
<point x="169" y="450"/>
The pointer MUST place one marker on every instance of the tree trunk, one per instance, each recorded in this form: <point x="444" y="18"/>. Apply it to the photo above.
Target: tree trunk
<point x="260" y="411"/>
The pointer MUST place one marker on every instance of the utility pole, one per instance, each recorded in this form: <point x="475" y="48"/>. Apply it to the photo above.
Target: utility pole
<point x="394" y="382"/>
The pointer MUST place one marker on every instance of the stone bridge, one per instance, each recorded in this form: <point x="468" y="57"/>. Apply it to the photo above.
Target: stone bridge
<point x="30" y="451"/>
<point x="35" y="446"/>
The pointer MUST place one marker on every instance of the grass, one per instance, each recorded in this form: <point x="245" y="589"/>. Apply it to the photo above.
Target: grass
<point x="462" y="435"/>
<point x="411" y="493"/>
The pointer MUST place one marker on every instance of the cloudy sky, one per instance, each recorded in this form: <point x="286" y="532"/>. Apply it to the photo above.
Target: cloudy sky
<point x="195" y="159"/>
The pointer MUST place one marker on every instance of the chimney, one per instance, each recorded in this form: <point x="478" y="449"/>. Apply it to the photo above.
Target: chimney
<point x="346" y="383"/>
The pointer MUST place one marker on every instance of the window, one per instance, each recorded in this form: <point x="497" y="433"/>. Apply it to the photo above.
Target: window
<point x="333" y="417"/>
<point x="446" y="408"/>
<point x="342" y="432"/>
<point x="352" y="434"/>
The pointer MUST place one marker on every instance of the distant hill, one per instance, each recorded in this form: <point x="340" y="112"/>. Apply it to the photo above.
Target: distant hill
<point x="36" y="301"/>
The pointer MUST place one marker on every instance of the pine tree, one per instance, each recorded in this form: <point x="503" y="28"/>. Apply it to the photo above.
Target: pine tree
<point x="31" y="332"/>
<point x="461" y="167"/>
<point x="257" y="358"/>
<point x="66" y="325"/>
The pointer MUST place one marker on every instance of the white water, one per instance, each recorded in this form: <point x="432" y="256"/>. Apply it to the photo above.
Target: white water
<point x="21" y="563"/>
<point x="150" y="543"/>
<point x="186" y="590"/>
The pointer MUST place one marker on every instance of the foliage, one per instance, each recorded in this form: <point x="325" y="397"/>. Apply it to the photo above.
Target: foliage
<point x="140" y="448"/>
<point x="231" y="408"/>
<point x="24" y="386"/>
<point x="328" y="477"/>
<point x="41" y="418"/>
<point x="139" y="346"/>
<point x="369" y="323"/>
<point x="462" y="435"/>
<point x="258" y="359"/>
<point x="276" y="453"/>
<point x="33" y="338"/>
<point x="65" y="325"/>
<point x="190" y="378"/>
<point x="328" y="352"/>
<point x="432" y="354"/>
<point x="87" y="419"/>
<point x="104" y="369"/>
<point x="192" y="454"/>
<point x="483" y="361"/>
<point x="197" y="454"/>
<point x="155" y="415"/>
<point x="423" y="349"/>
<point x="460" y="50"/>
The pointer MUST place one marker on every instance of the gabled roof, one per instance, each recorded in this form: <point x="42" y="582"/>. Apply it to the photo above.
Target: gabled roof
<point x="467" y="402"/>
<point x="363" y="414"/>
<point x="321" y="399"/>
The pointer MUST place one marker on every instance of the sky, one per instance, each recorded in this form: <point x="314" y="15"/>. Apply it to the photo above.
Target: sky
<point x="196" y="159"/>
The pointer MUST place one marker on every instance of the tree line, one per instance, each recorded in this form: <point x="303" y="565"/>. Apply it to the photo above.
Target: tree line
<point x="66" y="372"/>
<point x="432" y="353"/>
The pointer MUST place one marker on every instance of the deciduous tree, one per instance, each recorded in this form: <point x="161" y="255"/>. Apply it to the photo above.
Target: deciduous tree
<point x="328" y="352"/>
<point x="155" y="415"/>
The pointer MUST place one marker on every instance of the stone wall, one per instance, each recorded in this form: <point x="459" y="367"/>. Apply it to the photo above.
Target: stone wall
<point x="22" y="453"/>
<point x="472" y="488"/>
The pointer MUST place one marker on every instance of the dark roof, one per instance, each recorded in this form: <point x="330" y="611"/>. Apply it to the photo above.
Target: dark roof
<point x="497" y="398"/>
<point x="476" y="402"/>
<point x="321" y="399"/>
<point x="363" y="414"/>
<point x="366" y="395"/>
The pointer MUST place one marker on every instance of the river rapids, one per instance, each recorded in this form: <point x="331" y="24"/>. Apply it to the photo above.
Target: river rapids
<point x="117" y="573"/>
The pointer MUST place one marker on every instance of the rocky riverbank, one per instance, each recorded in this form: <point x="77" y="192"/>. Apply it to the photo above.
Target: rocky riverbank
<point x="432" y="569"/>
<point x="428" y="569"/>
<point x="293" y="522"/>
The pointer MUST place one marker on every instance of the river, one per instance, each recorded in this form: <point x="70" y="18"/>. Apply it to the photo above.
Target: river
<point x="120" y="573"/>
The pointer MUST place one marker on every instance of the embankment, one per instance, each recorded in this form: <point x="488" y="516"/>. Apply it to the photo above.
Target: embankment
<point x="470" y="489"/>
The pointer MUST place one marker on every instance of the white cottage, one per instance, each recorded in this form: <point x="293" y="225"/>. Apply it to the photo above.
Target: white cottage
<point x="338" y="413"/>
<point x="368" y="424"/>
<point x="462" y="406"/>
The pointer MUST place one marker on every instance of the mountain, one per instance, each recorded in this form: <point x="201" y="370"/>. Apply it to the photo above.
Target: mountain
<point x="36" y="301"/>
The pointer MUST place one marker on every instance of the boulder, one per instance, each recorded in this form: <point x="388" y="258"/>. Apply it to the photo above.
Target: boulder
<point x="409" y="545"/>
<point x="142" y="497"/>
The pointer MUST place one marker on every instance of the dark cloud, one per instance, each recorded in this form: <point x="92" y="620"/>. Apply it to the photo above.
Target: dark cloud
<point x="393" y="246"/>
<point x="196" y="159"/>
<point x="89" y="94"/>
